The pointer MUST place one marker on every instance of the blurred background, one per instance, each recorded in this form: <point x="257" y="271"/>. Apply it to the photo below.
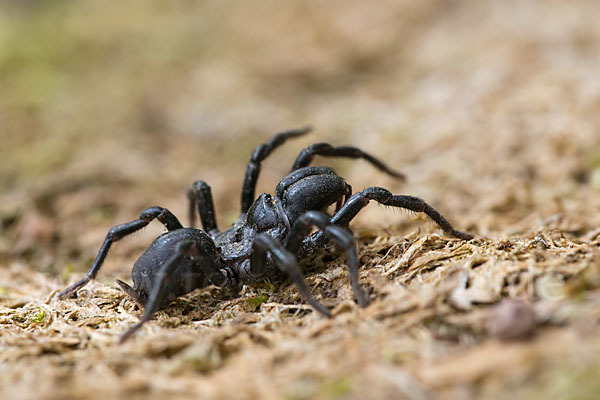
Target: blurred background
<point x="106" y="109"/>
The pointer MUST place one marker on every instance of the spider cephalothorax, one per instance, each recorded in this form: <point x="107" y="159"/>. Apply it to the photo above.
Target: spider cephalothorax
<point x="269" y="235"/>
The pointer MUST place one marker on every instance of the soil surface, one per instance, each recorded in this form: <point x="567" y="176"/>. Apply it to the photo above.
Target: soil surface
<point x="491" y="108"/>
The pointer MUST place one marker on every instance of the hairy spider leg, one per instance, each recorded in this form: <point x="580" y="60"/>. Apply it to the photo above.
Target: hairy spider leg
<point x="261" y="152"/>
<point x="336" y="234"/>
<point x="383" y="196"/>
<point x="117" y="233"/>
<point x="201" y="199"/>
<point x="286" y="262"/>
<point x="325" y="149"/>
<point x="159" y="288"/>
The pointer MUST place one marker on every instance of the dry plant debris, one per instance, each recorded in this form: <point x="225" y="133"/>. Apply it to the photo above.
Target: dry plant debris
<point x="491" y="109"/>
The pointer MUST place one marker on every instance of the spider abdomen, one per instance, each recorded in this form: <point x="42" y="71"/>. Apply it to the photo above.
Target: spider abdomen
<point x="186" y="277"/>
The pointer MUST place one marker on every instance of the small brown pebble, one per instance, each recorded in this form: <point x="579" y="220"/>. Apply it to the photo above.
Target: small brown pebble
<point x="512" y="320"/>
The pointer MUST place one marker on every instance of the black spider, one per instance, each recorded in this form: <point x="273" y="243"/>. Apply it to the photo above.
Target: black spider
<point x="266" y="238"/>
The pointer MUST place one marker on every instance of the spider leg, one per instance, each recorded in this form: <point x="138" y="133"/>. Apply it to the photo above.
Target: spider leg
<point x="160" y="286"/>
<point x="261" y="152"/>
<point x="117" y="233"/>
<point x="340" y="236"/>
<point x="359" y="200"/>
<point x="201" y="199"/>
<point x="325" y="149"/>
<point x="131" y="292"/>
<point x="286" y="262"/>
<point x="345" y="199"/>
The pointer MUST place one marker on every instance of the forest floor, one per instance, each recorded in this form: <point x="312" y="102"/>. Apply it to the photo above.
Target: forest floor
<point x="492" y="110"/>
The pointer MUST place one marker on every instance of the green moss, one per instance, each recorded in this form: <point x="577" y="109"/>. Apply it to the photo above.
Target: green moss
<point x="338" y="388"/>
<point x="271" y="288"/>
<point x="39" y="317"/>
<point x="258" y="300"/>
